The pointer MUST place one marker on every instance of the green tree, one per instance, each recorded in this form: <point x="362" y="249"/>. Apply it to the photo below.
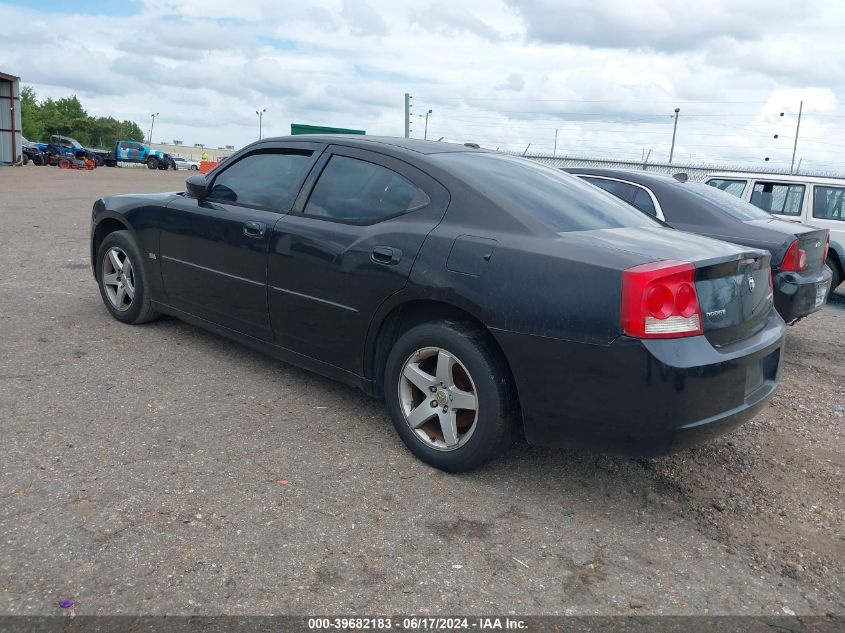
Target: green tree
<point x="66" y="116"/>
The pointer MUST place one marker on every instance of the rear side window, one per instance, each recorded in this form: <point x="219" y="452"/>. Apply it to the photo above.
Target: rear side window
<point x="829" y="203"/>
<point x="780" y="198"/>
<point x="556" y="199"/>
<point x="358" y="192"/>
<point x="621" y="190"/>
<point x="724" y="202"/>
<point x="643" y="202"/>
<point x="733" y="187"/>
<point x="264" y="179"/>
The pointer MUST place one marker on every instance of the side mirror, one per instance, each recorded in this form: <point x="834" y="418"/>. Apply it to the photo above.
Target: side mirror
<point x="197" y="187"/>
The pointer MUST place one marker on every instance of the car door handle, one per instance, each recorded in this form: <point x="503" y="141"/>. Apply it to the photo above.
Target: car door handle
<point x="254" y="229"/>
<point x="386" y="255"/>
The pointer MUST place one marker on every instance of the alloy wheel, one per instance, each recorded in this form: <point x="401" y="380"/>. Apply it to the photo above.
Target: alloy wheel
<point x="438" y="398"/>
<point x="118" y="278"/>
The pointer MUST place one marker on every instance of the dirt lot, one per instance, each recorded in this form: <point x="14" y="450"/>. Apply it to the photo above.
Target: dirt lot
<point x="163" y="469"/>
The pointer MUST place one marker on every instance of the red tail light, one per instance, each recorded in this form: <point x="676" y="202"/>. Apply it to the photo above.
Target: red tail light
<point x="795" y="258"/>
<point x="659" y="300"/>
<point x="826" y="248"/>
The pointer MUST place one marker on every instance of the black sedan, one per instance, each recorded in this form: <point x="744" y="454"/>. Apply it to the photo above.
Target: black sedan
<point x="801" y="278"/>
<point x="479" y="294"/>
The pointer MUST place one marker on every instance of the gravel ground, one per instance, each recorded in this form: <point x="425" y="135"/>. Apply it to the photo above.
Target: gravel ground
<point x="162" y="469"/>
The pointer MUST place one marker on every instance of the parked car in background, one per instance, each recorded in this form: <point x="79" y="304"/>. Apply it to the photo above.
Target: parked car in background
<point x="135" y="152"/>
<point x="72" y="147"/>
<point x="477" y="293"/>
<point x="32" y="152"/>
<point x="178" y="162"/>
<point x="800" y="278"/>
<point x="807" y="199"/>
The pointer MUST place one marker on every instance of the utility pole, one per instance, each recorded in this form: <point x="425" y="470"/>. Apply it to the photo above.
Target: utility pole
<point x="795" y="144"/>
<point x="674" y="131"/>
<point x="260" y="114"/>
<point x="554" y="152"/>
<point x="407" y="115"/>
<point x="425" y="133"/>
<point x="152" y="125"/>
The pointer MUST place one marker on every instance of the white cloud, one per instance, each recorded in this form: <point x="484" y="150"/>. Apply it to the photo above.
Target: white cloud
<point x="605" y="74"/>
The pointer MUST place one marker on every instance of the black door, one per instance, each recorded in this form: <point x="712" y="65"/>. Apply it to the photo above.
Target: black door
<point x="350" y="243"/>
<point x="214" y="252"/>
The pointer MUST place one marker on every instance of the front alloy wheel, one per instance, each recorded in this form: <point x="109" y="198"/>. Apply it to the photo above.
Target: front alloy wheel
<point x="438" y="398"/>
<point x="118" y="278"/>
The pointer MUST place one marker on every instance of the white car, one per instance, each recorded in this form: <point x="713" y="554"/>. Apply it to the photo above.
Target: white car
<point x="184" y="163"/>
<point x="810" y="200"/>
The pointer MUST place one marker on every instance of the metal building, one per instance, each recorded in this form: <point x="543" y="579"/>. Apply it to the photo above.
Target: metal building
<point x="10" y="119"/>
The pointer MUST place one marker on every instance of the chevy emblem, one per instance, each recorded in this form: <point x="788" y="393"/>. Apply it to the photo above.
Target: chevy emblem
<point x="818" y="243"/>
<point x="751" y="284"/>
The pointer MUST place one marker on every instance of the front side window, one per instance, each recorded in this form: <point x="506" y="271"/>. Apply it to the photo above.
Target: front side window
<point x="780" y="198"/>
<point x="829" y="203"/>
<point x="733" y="187"/>
<point x="262" y="179"/>
<point x="358" y="192"/>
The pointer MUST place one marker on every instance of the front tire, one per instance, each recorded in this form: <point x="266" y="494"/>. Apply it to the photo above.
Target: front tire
<point x="120" y="276"/>
<point x="449" y="395"/>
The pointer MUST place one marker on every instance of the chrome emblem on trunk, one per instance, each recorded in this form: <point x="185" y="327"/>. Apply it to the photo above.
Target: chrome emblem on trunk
<point x="751" y="284"/>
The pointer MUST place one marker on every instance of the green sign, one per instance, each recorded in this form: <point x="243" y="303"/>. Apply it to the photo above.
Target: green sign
<point x="301" y="128"/>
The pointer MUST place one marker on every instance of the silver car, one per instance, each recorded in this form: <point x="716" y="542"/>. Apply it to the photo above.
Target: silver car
<point x="184" y="163"/>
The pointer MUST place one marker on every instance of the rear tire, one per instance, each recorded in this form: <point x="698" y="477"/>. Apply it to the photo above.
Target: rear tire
<point x="121" y="278"/>
<point x="25" y="159"/>
<point x="837" y="274"/>
<point x="456" y="367"/>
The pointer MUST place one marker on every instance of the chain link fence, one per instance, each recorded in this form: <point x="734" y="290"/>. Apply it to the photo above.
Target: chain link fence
<point x="695" y="171"/>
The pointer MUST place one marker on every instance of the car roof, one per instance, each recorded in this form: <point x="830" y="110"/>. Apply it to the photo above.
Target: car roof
<point x="636" y="176"/>
<point x="414" y="145"/>
<point x="777" y="177"/>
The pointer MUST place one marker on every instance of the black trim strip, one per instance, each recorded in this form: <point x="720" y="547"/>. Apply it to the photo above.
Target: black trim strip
<point x="317" y="299"/>
<point x="212" y="270"/>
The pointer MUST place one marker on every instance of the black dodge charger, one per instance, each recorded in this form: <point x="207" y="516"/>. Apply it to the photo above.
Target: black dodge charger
<point x="801" y="278"/>
<point x="480" y="295"/>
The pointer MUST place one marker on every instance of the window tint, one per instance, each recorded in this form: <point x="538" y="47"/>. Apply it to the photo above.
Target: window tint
<point x="621" y="190"/>
<point x="359" y="192"/>
<point x="725" y="202"/>
<point x="550" y="196"/>
<point x="733" y="187"/>
<point x="643" y="202"/>
<point x="778" y="198"/>
<point x="829" y="203"/>
<point x="264" y="179"/>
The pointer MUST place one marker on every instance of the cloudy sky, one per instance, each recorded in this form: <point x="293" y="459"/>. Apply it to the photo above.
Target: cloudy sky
<point x="606" y="74"/>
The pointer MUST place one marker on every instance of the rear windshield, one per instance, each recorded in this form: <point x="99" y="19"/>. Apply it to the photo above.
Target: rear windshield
<point x="550" y="196"/>
<point x="726" y="202"/>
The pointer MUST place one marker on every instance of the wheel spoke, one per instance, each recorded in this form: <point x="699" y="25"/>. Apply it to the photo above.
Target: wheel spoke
<point x="462" y="399"/>
<point x="115" y="261"/>
<point x="445" y="362"/>
<point x="130" y="291"/>
<point x="127" y="268"/>
<point x="449" y="427"/>
<point x="420" y="379"/>
<point x="110" y="280"/>
<point x="121" y="294"/>
<point x="422" y="414"/>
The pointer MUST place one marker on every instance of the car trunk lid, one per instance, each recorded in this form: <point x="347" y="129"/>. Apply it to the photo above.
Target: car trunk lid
<point x="735" y="297"/>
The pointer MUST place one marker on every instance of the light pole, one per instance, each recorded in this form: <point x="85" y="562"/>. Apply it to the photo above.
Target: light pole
<point x="152" y="125"/>
<point x="425" y="133"/>
<point x="795" y="144"/>
<point x="260" y="114"/>
<point x="674" y="131"/>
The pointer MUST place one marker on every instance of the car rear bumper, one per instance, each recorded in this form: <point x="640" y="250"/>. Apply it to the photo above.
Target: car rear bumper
<point x="795" y="293"/>
<point x="641" y="397"/>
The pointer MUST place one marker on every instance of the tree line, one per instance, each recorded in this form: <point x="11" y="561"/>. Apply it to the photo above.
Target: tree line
<point x="66" y="116"/>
